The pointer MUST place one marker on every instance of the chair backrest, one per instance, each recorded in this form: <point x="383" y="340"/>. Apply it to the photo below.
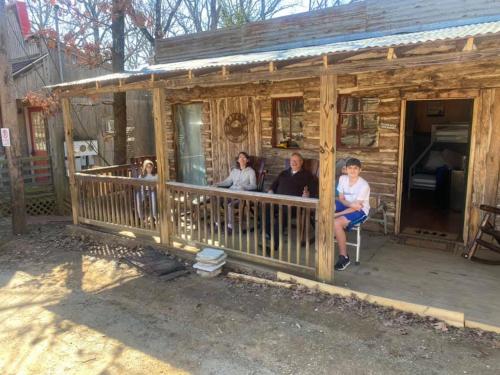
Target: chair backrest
<point x="310" y="165"/>
<point x="258" y="164"/>
<point x="136" y="163"/>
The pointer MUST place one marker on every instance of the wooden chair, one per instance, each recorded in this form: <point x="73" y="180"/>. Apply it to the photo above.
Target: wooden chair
<point x="487" y="227"/>
<point x="311" y="165"/>
<point x="258" y="164"/>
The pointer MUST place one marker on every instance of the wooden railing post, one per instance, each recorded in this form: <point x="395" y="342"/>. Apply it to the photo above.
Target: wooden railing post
<point x="159" y="103"/>
<point x="68" y="135"/>
<point x="327" y="136"/>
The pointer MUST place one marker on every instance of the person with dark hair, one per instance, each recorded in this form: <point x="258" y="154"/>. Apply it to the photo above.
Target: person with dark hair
<point x="351" y="208"/>
<point x="292" y="181"/>
<point x="241" y="178"/>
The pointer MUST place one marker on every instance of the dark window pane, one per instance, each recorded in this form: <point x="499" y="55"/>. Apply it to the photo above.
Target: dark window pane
<point x="283" y="108"/>
<point x="289" y="122"/>
<point x="282" y="129"/>
<point x="349" y="104"/>
<point x="349" y="122"/>
<point x="369" y="104"/>
<point x="349" y="139"/>
<point x="370" y="121"/>
<point x="368" y="139"/>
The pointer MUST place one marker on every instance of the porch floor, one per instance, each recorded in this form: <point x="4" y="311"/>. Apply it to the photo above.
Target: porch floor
<point x="425" y="276"/>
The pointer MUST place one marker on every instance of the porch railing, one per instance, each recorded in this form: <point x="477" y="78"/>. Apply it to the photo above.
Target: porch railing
<point x="123" y="170"/>
<point x="269" y="228"/>
<point x="118" y="202"/>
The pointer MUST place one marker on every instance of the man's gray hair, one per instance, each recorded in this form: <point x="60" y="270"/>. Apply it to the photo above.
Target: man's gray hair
<point x="298" y="155"/>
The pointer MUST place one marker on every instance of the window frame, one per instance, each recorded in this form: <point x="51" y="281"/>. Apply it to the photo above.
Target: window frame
<point x="274" y="109"/>
<point x="359" y="114"/>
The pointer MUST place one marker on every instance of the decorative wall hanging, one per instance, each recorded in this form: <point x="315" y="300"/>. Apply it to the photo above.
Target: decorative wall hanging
<point x="236" y="127"/>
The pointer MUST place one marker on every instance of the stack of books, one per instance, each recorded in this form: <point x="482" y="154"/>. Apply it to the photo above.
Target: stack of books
<point x="210" y="262"/>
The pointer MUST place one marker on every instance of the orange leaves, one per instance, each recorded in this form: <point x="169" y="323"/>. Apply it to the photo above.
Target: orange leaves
<point x="49" y="103"/>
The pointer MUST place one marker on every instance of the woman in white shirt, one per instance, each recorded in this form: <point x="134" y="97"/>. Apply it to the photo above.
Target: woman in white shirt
<point x="241" y="178"/>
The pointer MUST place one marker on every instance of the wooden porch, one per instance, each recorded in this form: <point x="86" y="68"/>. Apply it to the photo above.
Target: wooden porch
<point x="198" y="216"/>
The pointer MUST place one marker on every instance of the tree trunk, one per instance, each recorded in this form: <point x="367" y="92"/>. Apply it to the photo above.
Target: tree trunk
<point x="8" y="116"/>
<point x="119" y="99"/>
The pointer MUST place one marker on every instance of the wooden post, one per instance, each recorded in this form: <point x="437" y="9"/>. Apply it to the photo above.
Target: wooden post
<point x="327" y="138"/>
<point x="8" y="113"/>
<point x="56" y="141"/>
<point x="159" y="103"/>
<point x="68" y="134"/>
<point x="486" y="158"/>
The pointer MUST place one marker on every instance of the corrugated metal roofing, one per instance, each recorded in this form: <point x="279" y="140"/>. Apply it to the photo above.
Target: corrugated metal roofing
<point x="456" y="32"/>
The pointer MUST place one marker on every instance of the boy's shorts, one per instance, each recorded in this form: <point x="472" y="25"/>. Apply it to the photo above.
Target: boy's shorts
<point x="353" y="217"/>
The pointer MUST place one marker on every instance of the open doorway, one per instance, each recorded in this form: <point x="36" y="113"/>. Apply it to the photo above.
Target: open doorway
<point x="437" y="134"/>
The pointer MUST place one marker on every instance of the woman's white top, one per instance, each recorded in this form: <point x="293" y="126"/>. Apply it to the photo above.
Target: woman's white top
<point x="240" y="179"/>
<point x="359" y="191"/>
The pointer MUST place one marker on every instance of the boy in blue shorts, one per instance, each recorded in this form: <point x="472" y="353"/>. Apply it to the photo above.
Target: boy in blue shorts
<point x="351" y="207"/>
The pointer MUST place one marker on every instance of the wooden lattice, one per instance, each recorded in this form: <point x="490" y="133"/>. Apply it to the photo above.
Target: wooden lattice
<point x="34" y="207"/>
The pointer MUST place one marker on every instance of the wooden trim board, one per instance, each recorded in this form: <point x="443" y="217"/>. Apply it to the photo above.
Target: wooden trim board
<point x="453" y="318"/>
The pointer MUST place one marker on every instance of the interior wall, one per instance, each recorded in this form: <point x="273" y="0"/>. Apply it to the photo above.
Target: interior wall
<point x="453" y="111"/>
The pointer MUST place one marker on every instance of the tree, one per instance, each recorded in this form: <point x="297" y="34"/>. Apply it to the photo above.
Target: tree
<point x="321" y="4"/>
<point x="238" y="12"/>
<point x="8" y="113"/>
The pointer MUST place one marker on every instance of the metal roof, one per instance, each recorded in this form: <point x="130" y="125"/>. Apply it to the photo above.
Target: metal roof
<point x="394" y="40"/>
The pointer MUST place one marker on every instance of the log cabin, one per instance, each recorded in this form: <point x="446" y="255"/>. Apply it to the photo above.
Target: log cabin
<point x="410" y="89"/>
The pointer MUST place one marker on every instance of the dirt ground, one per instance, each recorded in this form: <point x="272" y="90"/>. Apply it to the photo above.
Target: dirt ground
<point x="68" y="306"/>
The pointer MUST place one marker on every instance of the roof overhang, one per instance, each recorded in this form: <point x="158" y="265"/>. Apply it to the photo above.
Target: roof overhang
<point x="386" y="41"/>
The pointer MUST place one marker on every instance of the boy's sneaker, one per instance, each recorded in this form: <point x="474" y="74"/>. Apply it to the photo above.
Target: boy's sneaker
<point x="342" y="263"/>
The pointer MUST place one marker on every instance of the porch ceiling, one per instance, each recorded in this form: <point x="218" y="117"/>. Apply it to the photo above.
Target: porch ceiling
<point x="365" y="42"/>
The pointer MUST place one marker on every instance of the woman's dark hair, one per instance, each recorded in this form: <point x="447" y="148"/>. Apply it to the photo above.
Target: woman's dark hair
<point x="245" y="155"/>
<point x="353" y="161"/>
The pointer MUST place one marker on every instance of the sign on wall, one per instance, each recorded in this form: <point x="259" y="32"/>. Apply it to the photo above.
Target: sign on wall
<point x="5" y="137"/>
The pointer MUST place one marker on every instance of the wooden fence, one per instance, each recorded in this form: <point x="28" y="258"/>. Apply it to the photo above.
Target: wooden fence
<point x="118" y="202"/>
<point x="38" y="185"/>
<point x="268" y="228"/>
<point x="272" y="229"/>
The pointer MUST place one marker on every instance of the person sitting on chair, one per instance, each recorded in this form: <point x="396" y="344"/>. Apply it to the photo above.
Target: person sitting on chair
<point x="241" y="178"/>
<point x="351" y="208"/>
<point x="292" y="181"/>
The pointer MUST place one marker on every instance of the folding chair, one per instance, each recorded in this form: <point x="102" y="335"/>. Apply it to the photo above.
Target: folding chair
<point x="356" y="226"/>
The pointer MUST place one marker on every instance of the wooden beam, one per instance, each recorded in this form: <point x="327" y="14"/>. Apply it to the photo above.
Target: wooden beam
<point x="469" y="45"/>
<point x="190" y="74"/>
<point x="327" y="137"/>
<point x="159" y="118"/>
<point x="486" y="158"/>
<point x="399" y="188"/>
<point x="225" y="71"/>
<point x="9" y="120"/>
<point x="325" y="61"/>
<point x="68" y="135"/>
<point x="391" y="54"/>
<point x="272" y="66"/>
<point x="357" y="67"/>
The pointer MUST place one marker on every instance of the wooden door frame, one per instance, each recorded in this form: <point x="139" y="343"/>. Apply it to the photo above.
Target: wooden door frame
<point x="473" y="95"/>
<point x="29" y="111"/>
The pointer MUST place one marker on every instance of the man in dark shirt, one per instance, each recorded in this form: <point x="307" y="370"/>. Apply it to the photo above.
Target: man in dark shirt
<point x="292" y="181"/>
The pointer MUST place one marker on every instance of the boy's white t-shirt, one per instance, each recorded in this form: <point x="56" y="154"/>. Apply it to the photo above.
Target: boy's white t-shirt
<point x="360" y="191"/>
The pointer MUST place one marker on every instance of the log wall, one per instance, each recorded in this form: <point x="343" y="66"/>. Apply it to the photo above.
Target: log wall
<point x="380" y="164"/>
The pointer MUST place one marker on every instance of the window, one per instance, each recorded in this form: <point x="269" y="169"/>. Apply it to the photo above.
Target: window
<point x="358" y="122"/>
<point x="288" y="122"/>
